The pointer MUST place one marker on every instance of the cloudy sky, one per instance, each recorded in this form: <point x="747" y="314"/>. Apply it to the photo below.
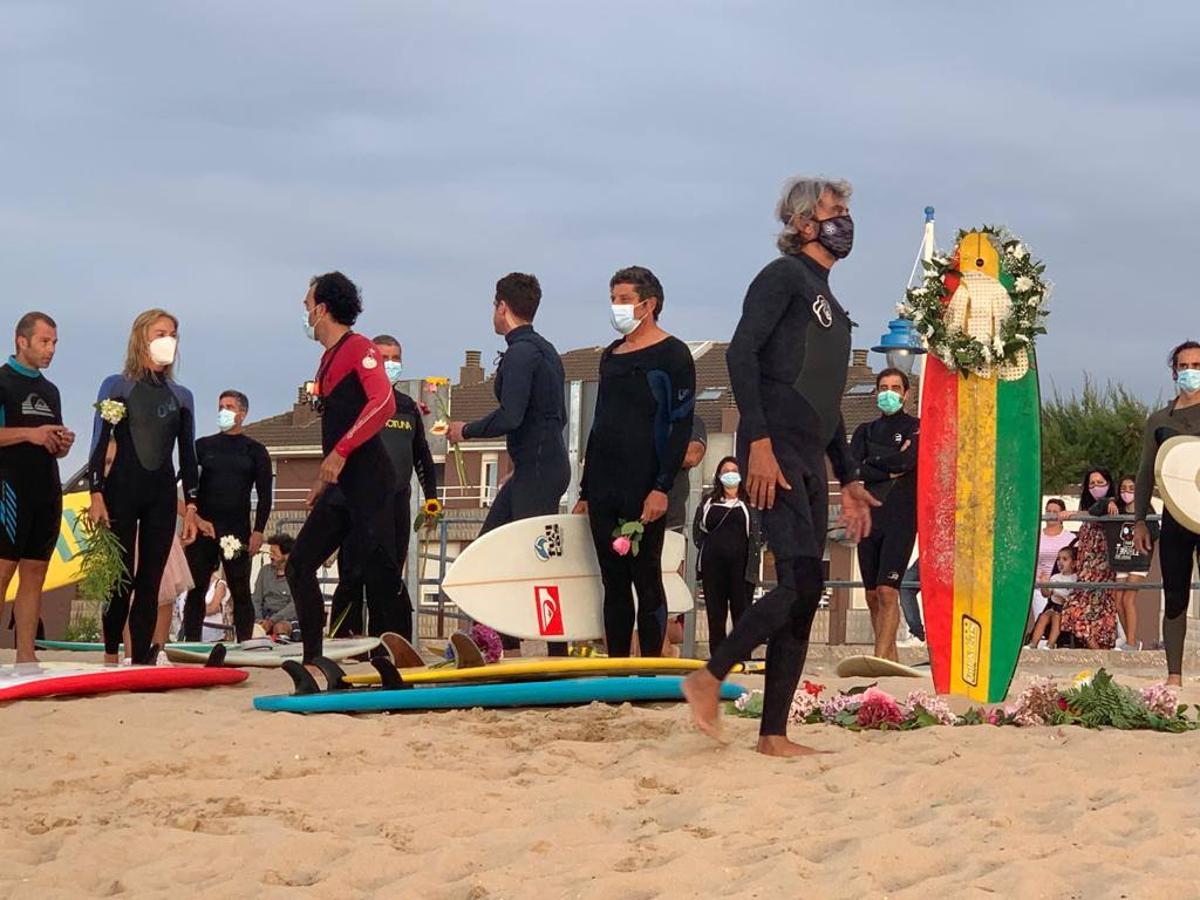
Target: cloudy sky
<point x="209" y="157"/>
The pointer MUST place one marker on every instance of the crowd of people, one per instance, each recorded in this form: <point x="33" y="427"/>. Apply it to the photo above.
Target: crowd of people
<point x="788" y="367"/>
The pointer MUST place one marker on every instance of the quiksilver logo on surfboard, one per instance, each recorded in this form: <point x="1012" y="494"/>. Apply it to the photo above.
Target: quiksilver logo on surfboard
<point x="823" y="311"/>
<point x="549" y="610"/>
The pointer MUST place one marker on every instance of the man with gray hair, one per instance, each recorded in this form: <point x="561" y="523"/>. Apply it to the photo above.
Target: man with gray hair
<point x="787" y="364"/>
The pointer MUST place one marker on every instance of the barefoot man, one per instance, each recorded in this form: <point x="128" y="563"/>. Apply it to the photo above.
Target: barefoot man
<point x="787" y="363"/>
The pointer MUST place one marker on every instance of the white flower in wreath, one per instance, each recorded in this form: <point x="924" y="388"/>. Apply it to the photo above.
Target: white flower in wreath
<point x="111" y="411"/>
<point x="1035" y="299"/>
<point x="1023" y="284"/>
<point x="1018" y="251"/>
<point x="231" y="547"/>
<point x="998" y="347"/>
<point x="904" y="310"/>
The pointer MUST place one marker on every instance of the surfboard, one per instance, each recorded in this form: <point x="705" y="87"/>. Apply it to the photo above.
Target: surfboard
<point x="1177" y="473"/>
<point x="526" y="668"/>
<point x="269" y="655"/>
<point x="521" y="693"/>
<point x="98" y="647"/>
<point x="978" y="507"/>
<point x="539" y="579"/>
<point x="64" y="563"/>
<point x="65" y="679"/>
<point x="875" y="667"/>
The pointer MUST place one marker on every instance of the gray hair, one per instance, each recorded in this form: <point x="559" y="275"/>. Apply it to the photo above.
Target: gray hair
<point x="799" y="199"/>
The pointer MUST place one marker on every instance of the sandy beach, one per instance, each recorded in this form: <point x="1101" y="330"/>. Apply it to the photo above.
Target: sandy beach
<point x="195" y="793"/>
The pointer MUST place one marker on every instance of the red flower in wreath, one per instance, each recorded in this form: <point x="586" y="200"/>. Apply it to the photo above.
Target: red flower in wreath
<point x="814" y="689"/>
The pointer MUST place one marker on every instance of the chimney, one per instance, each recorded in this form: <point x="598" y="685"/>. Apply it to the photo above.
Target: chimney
<point x="858" y="359"/>
<point x="303" y="413"/>
<point x="472" y="370"/>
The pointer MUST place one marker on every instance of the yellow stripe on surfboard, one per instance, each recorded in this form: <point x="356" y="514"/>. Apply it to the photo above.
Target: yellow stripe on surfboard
<point x="975" y="526"/>
<point x="64" y="564"/>
<point x="549" y="667"/>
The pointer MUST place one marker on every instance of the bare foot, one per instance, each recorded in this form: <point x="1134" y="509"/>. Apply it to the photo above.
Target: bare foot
<point x="779" y="745"/>
<point x="1174" y="681"/>
<point x="702" y="691"/>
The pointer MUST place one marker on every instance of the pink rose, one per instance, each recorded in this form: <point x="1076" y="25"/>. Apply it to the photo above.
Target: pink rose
<point x="622" y="545"/>
<point x="878" y="709"/>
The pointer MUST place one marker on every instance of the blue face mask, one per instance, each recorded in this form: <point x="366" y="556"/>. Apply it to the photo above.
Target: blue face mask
<point x="226" y="418"/>
<point x="889" y="401"/>
<point x="310" y="329"/>
<point x="1188" y="380"/>
<point x="731" y="479"/>
<point x="394" y="370"/>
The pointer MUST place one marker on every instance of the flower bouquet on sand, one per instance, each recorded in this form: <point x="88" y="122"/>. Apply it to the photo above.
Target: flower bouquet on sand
<point x="1092" y="701"/>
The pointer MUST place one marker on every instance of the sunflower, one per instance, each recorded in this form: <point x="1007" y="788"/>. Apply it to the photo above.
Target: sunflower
<point x="432" y="507"/>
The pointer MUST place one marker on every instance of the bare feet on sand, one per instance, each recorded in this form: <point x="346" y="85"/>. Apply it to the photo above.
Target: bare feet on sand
<point x="779" y="745"/>
<point x="702" y="691"/>
<point x="1174" y="681"/>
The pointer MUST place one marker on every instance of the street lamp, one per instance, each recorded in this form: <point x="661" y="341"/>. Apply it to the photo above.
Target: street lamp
<point x="901" y="345"/>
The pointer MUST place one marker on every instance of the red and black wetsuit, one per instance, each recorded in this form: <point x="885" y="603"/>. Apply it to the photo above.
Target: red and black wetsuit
<point x="355" y="400"/>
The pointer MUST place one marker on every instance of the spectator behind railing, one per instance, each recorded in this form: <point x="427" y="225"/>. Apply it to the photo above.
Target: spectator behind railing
<point x="1053" y="538"/>
<point x="1056" y="598"/>
<point x="1091" y="616"/>
<point x="1130" y="565"/>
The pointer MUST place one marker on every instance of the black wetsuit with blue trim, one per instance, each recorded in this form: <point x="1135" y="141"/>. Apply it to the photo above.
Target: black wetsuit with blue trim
<point x="787" y="365"/>
<point x="639" y="436"/>
<point x="30" y="489"/>
<point x="139" y="492"/>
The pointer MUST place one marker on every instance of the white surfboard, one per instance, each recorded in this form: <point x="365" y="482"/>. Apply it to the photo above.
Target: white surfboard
<point x="1177" y="472"/>
<point x="266" y="654"/>
<point x="539" y="579"/>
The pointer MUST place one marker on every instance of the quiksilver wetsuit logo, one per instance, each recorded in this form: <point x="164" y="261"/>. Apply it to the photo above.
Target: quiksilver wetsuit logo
<point x="33" y="405"/>
<point x="823" y="311"/>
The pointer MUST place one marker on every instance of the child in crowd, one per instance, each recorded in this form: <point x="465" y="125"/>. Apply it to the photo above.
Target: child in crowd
<point x="1051" y="616"/>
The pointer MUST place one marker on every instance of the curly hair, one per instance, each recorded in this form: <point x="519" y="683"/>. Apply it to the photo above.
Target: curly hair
<point x="339" y="295"/>
<point x="644" y="281"/>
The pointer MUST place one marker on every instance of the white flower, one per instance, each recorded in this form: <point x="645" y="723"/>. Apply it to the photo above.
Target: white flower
<point x="1018" y="251"/>
<point x="1036" y="299"/>
<point x="1023" y="284"/>
<point x="230" y="546"/>
<point x="111" y="411"/>
<point x="904" y="310"/>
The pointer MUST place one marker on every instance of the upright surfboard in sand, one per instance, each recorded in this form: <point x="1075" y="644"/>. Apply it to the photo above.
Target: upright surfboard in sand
<point x="539" y="579"/>
<point x="979" y="497"/>
<point x="1177" y="472"/>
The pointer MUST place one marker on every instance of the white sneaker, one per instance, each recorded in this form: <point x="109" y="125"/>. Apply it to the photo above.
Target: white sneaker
<point x="1043" y="644"/>
<point x="162" y="659"/>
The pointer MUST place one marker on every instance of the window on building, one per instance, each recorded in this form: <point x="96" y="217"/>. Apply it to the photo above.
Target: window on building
<point x="490" y="482"/>
<point x="710" y="394"/>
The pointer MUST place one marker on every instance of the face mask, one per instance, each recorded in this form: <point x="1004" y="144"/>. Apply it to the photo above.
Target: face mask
<point x="1126" y="497"/>
<point x="226" y="419"/>
<point x="836" y="235"/>
<point x="1099" y="493"/>
<point x="731" y="479"/>
<point x="310" y="331"/>
<point x="394" y="370"/>
<point x="889" y="402"/>
<point x="1188" y="380"/>
<point x="162" y="351"/>
<point x="622" y="318"/>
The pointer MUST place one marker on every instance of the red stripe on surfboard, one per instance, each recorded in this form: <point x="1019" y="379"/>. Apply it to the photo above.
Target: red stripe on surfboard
<point x="150" y="678"/>
<point x="937" y="481"/>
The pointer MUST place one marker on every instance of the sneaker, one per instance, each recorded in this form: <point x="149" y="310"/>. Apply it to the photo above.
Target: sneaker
<point x="910" y="642"/>
<point x="161" y="659"/>
<point x="1043" y="644"/>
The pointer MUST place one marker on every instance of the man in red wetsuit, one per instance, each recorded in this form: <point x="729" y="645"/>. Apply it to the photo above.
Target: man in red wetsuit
<point x="352" y="498"/>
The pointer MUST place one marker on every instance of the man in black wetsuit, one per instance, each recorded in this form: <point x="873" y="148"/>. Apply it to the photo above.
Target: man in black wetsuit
<point x="32" y="440"/>
<point x="532" y="414"/>
<point x="352" y="498"/>
<point x="403" y="437"/>
<point x="230" y="465"/>
<point x="884" y="453"/>
<point x="787" y="363"/>
<point x="640" y="432"/>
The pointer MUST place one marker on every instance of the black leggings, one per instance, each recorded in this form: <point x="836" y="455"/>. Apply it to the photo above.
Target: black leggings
<point x="1177" y="548"/>
<point x="142" y="511"/>
<point x="384" y="613"/>
<point x="782" y="620"/>
<point x="325" y="530"/>
<point x="726" y="592"/>
<point x="203" y="556"/>
<point x="622" y="574"/>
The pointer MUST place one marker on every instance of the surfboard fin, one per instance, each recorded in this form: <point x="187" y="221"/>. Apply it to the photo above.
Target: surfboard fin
<point x="216" y="657"/>
<point x="467" y="654"/>
<point x="334" y="674"/>
<point x="390" y="678"/>
<point x="303" y="683"/>
<point x="402" y="654"/>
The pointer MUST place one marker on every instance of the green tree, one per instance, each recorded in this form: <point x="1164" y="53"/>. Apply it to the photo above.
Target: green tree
<point x="1100" y="427"/>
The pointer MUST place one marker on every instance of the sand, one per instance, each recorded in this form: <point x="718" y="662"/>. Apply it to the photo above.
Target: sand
<point x="194" y="794"/>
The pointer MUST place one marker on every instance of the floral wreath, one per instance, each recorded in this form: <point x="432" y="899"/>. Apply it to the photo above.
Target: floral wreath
<point x="1021" y="276"/>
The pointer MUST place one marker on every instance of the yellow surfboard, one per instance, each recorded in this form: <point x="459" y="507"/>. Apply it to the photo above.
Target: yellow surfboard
<point x="64" y="564"/>
<point x="548" y="667"/>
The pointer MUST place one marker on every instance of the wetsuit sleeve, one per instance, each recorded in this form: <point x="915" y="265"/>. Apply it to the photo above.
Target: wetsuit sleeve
<point x="189" y="469"/>
<point x="674" y="389"/>
<point x="520" y="363"/>
<point x="698" y="524"/>
<point x="1145" y="476"/>
<point x="101" y="435"/>
<point x="899" y="462"/>
<point x="263" y="482"/>
<point x="583" y="479"/>
<point x="767" y="299"/>
<point x="838" y="452"/>
<point x="380" y="404"/>
<point x="858" y="451"/>
<point x="423" y="459"/>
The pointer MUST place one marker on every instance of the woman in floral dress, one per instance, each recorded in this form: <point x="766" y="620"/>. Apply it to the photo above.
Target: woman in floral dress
<point x="1091" y="616"/>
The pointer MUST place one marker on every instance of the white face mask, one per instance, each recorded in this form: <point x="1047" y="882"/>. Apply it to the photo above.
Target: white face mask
<point x="226" y="419"/>
<point x="162" y="351"/>
<point x="623" y="319"/>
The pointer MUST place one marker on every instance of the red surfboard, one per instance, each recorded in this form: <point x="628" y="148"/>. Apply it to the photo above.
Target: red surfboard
<point x="70" y="679"/>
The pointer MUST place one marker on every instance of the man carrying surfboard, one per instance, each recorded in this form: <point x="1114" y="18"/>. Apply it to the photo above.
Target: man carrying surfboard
<point x="32" y="441"/>
<point x="1178" y="543"/>
<point x="787" y="364"/>
<point x="531" y="416"/>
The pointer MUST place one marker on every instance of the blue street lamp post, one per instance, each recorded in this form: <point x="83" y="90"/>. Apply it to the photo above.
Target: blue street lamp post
<point x="901" y="345"/>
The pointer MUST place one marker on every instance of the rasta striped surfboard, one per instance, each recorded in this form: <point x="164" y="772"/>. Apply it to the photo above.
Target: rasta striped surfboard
<point x="979" y="500"/>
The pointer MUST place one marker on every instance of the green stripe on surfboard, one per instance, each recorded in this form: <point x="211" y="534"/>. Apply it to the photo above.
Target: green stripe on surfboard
<point x="1018" y="502"/>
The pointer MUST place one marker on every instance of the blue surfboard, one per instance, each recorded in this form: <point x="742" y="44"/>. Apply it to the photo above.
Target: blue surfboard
<point x="96" y="647"/>
<point x="558" y="692"/>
